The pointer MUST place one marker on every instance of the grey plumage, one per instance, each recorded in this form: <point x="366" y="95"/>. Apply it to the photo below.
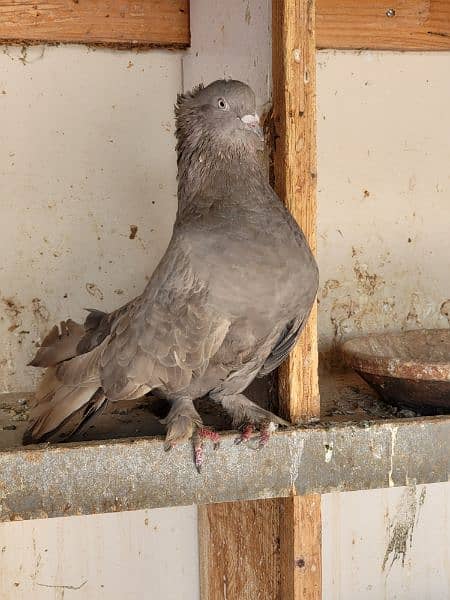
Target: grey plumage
<point x="226" y="303"/>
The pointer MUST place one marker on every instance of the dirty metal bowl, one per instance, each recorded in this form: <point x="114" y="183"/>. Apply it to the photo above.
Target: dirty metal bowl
<point x="410" y="368"/>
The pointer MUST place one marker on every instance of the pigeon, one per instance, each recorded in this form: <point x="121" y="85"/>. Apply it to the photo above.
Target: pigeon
<point x="226" y="303"/>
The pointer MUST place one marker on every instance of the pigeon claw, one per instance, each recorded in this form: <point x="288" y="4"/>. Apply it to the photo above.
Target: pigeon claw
<point x="209" y="434"/>
<point x="198" y="456"/>
<point x="245" y="435"/>
<point x="198" y="439"/>
<point x="265" y="433"/>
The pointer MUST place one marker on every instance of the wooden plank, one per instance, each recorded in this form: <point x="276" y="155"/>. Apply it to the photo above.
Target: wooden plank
<point x="384" y="24"/>
<point x="120" y="23"/>
<point x="272" y="548"/>
<point x="300" y="545"/>
<point x="239" y="551"/>
<point x="294" y="114"/>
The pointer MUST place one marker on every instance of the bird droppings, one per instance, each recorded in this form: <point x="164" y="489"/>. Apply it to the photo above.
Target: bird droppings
<point x="445" y="310"/>
<point x="40" y="310"/>
<point x="392" y="454"/>
<point x="248" y="14"/>
<point x="366" y="193"/>
<point x="401" y="527"/>
<point x="366" y="282"/>
<point x="13" y="310"/>
<point x="133" y="231"/>
<point x="328" y="452"/>
<point x="330" y="284"/>
<point x="94" y="290"/>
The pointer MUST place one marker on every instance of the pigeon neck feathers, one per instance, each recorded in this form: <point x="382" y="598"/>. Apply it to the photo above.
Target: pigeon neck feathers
<point x="208" y="158"/>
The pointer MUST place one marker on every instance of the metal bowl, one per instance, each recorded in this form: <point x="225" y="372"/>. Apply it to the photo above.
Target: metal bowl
<point x="410" y="368"/>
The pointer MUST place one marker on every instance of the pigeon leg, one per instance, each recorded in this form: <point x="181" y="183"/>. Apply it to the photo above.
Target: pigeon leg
<point x="243" y="410"/>
<point x="181" y="422"/>
<point x="200" y="435"/>
<point x="265" y="432"/>
<point x="246" y="434"/>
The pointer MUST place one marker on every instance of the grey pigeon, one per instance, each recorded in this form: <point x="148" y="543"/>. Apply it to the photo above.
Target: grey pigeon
<point x="225" y="305"/>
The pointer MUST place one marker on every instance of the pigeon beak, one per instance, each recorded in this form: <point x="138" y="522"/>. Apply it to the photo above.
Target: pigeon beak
<point x="251" y="122"/>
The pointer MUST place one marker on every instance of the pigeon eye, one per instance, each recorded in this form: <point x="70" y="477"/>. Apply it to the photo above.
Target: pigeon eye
<point x="222" y="104"/>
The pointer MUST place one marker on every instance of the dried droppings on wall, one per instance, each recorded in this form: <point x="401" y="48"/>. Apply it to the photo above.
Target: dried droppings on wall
<point x="40" y="310"/>
<point x="401" y="526"/>
<point x="94" y="290"/>
<point x="133" y="231"/>
<point x="330" y="284"/>
<point x="366" y="282"/>
<point x="13" y="310"/>
<point x="445" y="310"/>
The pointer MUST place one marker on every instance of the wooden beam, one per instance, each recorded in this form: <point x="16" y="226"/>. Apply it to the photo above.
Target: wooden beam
<point x="272" y="548"/>
<point x="240" y="551"/>
<point x="341" y="24"/>
<point x="120" y="23"/>
<point x="384" y="24"/>
<point x="294" y="113"/>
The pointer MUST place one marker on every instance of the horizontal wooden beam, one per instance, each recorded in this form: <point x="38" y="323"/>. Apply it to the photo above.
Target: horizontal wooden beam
<point x="383" y="24"/>
<point x="120" y="23"/>
<point x="340" y="24"/>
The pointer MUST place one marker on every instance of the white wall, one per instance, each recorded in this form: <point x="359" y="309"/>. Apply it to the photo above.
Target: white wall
<point x="86" y="151"/>
<point x="384" y="192"/>
<point x="390" y="137"/>
<point x="142" y="555"/>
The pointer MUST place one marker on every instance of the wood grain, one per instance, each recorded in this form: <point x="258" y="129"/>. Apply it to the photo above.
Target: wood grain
<point x="294" y="116"/>
<point x="300" y="548"/>
<point x="357" y="24"/>
<point x="239" y="551"/>
<point x="121" y="23"/>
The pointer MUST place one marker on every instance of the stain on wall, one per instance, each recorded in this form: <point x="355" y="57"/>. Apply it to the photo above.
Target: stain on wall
<point x="401" y="526"/>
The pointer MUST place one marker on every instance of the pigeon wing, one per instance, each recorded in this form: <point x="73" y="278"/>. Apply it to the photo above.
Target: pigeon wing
<point x="165" y="337"/>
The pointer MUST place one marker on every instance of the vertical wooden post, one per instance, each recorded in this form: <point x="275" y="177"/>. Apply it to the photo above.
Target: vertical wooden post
<point x="294" y="113"/>
<point x="271" y="549"/>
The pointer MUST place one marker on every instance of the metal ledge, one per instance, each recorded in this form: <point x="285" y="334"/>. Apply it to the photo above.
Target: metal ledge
<point x="129" y="474"/>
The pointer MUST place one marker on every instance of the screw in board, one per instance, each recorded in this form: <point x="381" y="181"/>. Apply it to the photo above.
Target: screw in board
<point x="390" y="12"/>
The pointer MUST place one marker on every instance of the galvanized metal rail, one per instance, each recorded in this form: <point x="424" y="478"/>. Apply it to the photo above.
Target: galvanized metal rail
<point x="128" y="474"/>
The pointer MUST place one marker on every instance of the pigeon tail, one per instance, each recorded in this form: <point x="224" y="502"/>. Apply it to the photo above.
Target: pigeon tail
<point x="56" y="402"/>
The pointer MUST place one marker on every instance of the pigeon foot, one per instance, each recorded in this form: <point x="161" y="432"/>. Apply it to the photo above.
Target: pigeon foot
<point x="201" y="435"/>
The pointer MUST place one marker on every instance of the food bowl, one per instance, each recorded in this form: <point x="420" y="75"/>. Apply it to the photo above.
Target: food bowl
<point x="410" y="368"/>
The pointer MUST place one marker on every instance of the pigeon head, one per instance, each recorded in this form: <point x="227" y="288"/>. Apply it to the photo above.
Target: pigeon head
<point x="219" y="118"/>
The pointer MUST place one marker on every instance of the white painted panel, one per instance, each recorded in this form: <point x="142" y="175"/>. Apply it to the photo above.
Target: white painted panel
<point x="387" y="544"/>
<point x="230" y="39"/>
<point x="143" y="555"/>
<point x="87" y="150"/>
<point x="384" y="191"/>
